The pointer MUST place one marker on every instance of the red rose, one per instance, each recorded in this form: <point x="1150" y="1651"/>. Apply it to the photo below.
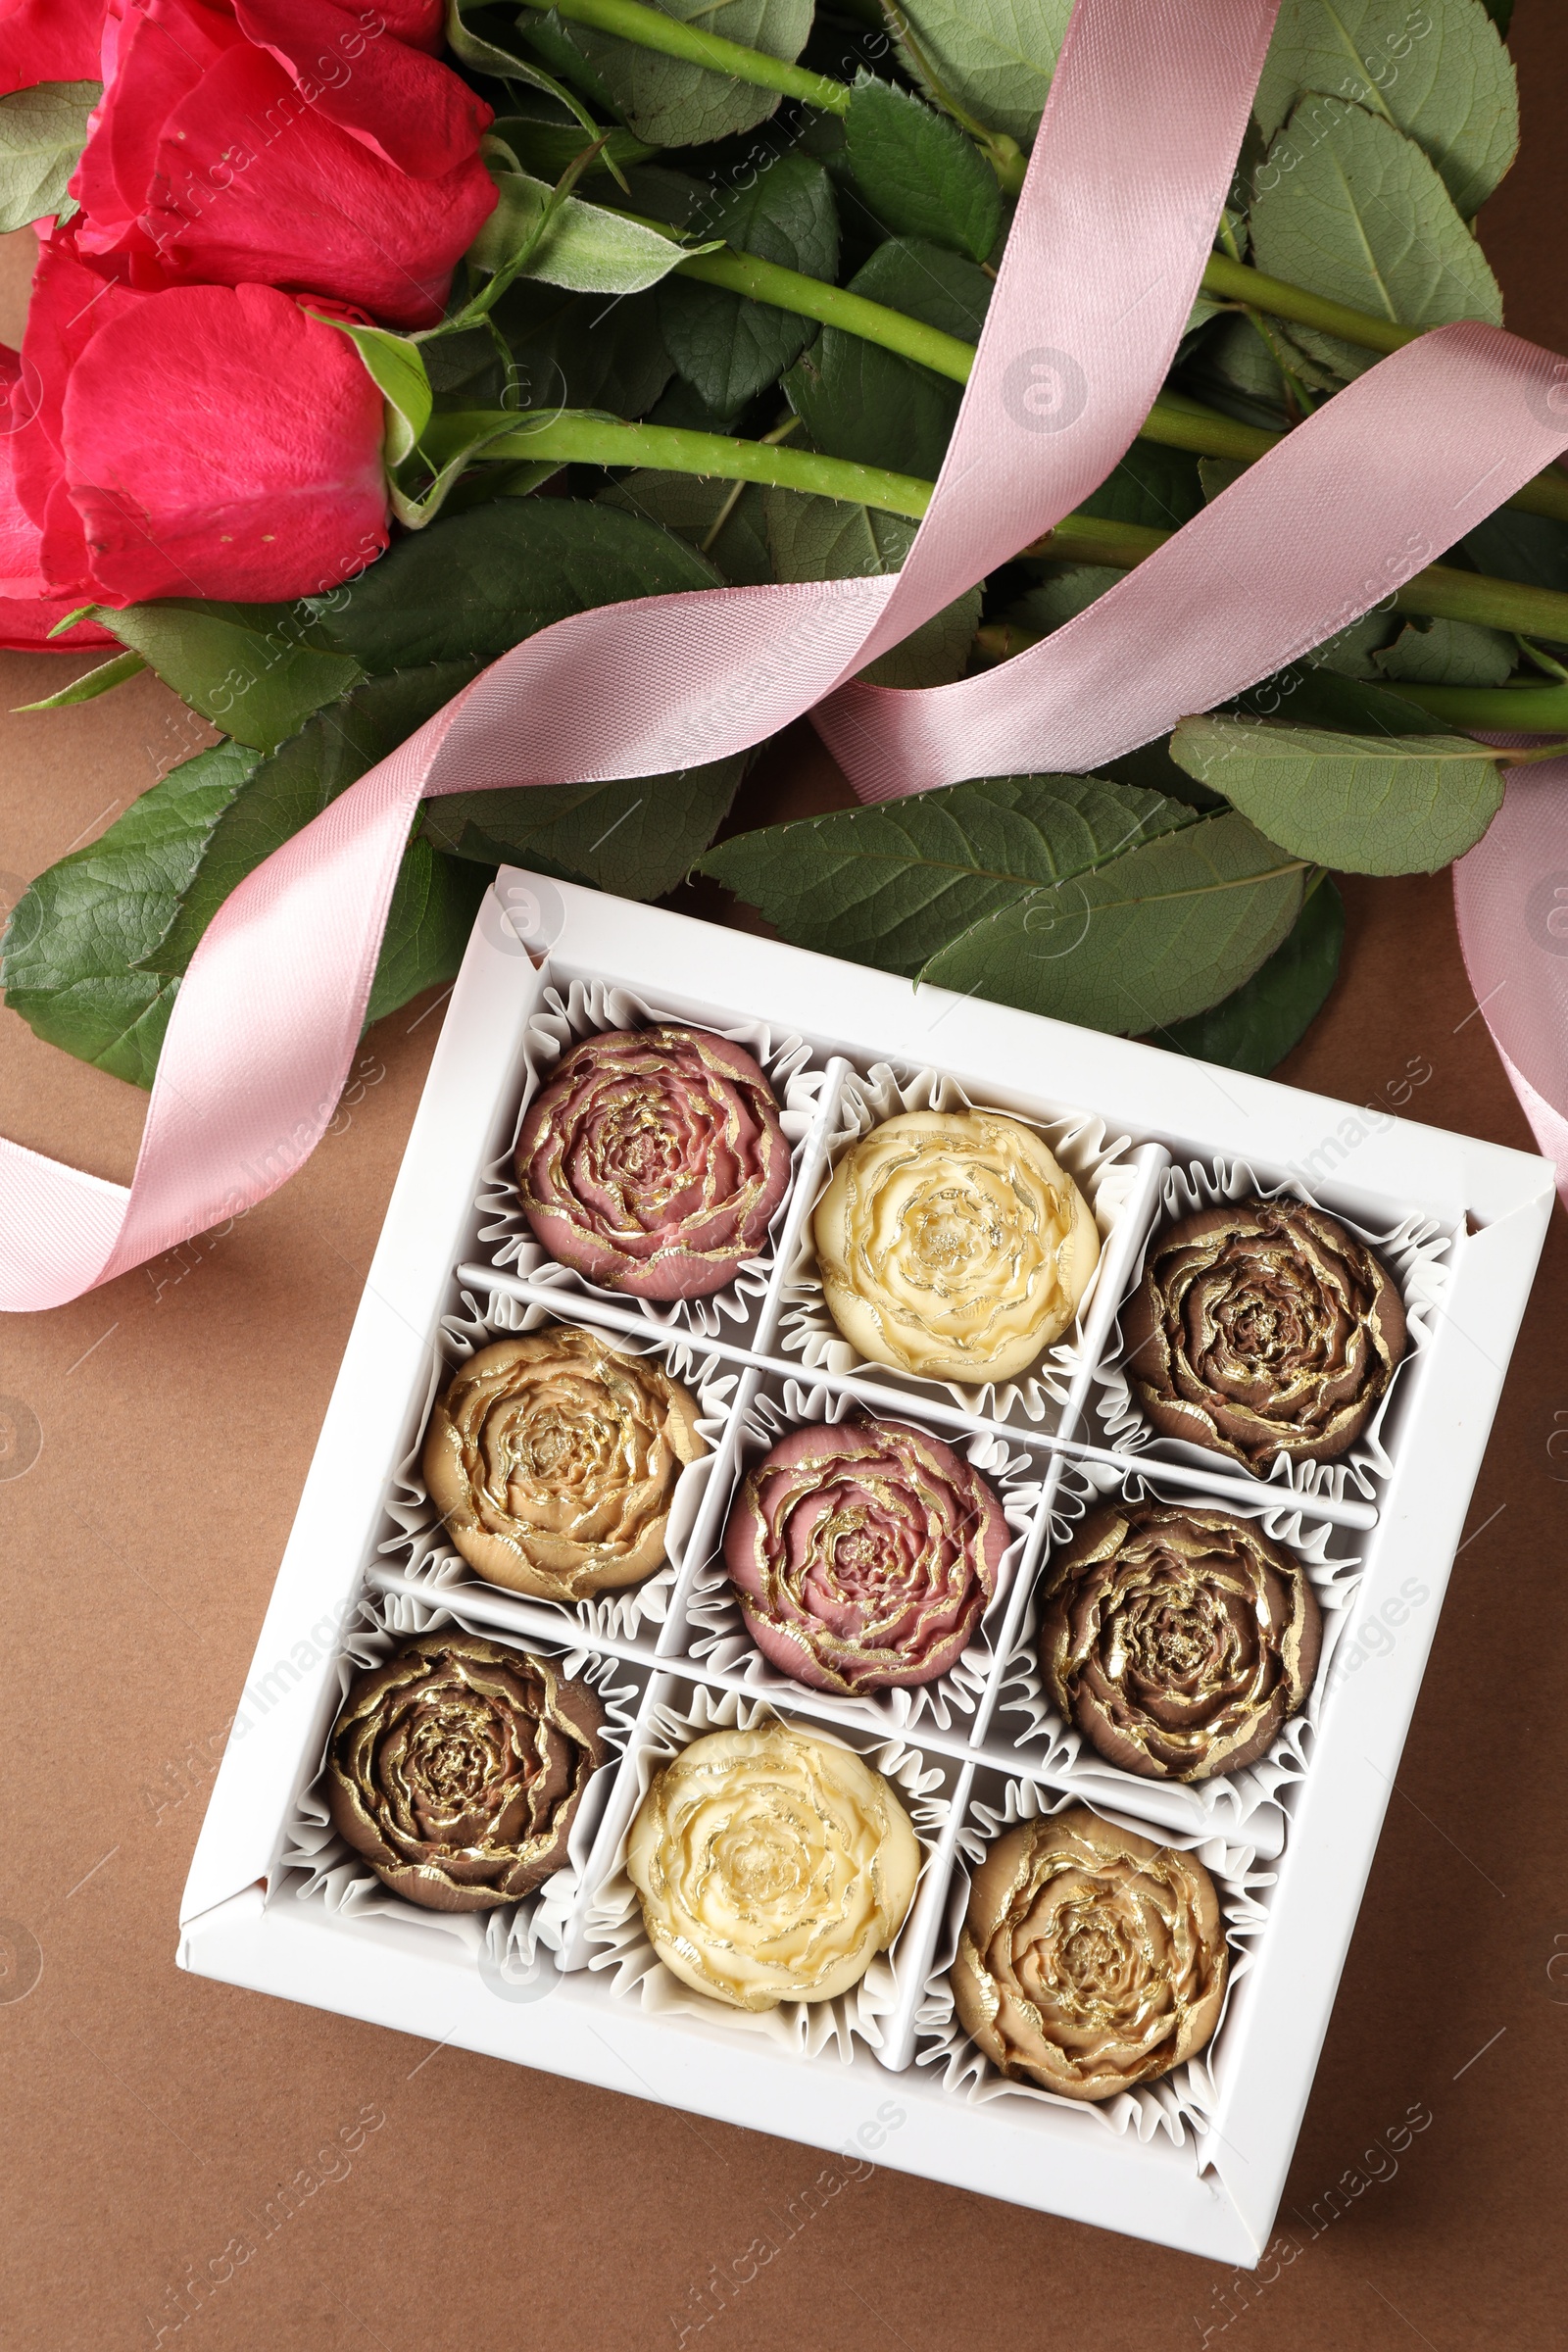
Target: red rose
<point x="294" y="143"/>
<point x="200" y="441"/>
<point x="48" y="41"/>
<point x="26" y="613"/>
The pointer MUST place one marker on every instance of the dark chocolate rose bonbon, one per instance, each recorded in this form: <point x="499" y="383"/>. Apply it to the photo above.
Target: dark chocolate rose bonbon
<point x="553" y="1459"/>
<point x="1177" y="1640"/>
<point x="1263" y="1328"/>
<point x="456" y="1770"/>
<point x="652" y="1162"/>
<point x="1091" y="1959"/>
<point x="864" y="1554"/>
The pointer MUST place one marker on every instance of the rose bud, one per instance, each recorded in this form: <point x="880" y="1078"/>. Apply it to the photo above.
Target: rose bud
<point x="1177" y="1640"/>
<point x="49" y="40"/>
<point x="773" y="1865"/>
<point x="1091" y="1959"/>
<point x="263" y="478"/>
<point x="952" y="1244"/>
<point x="864" y="1554"/>
<point x="1262" y="1328"/>
<point x="652" y="1162"/>
<point x="553" y="1459"/>
<point x="456" y="1770"/>
<point x="289" y="143"/>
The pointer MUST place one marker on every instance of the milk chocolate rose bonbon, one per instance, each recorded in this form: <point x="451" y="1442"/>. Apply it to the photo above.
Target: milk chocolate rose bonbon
<point x="1091" y="1959"/>
<point x="652" y="1162"/>
<point x="553" y="1459"/>
<point x="952" y="1244"/>
<point x="456" y="1767"/>
<point x="1263" y="1328"/>
<point x="1177" y="1639"/>
<point x="772" y="1866"/>
<point x="864" y="1554"/>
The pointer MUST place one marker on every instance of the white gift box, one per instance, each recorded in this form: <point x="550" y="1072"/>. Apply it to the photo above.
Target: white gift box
<point x="1197" y="2160"/>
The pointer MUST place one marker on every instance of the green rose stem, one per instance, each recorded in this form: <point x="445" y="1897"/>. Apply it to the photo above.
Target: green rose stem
<point x="1175" y="423"/>
<point x="1494" y="710"/>
<point x="647" y="28"/>
<point x="1439" y="593"/>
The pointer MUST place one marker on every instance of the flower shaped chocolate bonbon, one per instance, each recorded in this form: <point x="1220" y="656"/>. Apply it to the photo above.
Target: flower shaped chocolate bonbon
<point x="952" y="1244"/>
<point x="652" y="1162"/>
<point x="864" y="1554"/>
<point x="553" y="1459"/>
<point x="1177" y="1639"/>
<point x="1091" y="1959"/>
<point x="456" y="1767"/>
<point x="773" y="1865"/>
<point x="1263" y="1328"/>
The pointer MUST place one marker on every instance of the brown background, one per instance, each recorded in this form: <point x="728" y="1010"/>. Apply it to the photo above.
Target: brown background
<point x="148" y="2115"/>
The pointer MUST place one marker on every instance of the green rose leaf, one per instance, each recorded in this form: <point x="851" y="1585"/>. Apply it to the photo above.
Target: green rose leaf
<point x="894" y="886"/>
<point x="97" y="946"/>
<point x="72" y="956"/>
<point x="830" y="539"/>
<point x="257" y="672"/>
<point x="475" y="584"/>
<point x="567" y="242"/>
<point x="548" y="142"/>
<point x="1447" y="653"/>
<point x="42" y="133"/>
<point x="919" y="174"/>
<point x="637" y="837"/>
<point x="1366" y="804"/>
<point x="331" y="751"/>
<point x="1256" y="1027"/>
<point x="1312" y="696"/>
<point x="396" y="366"/>
<point x="1440" y="74"/>
<point x="991" y="59"/>
<point x="729" y="349"/>
<point x="730" y="531"/>
<point x="1157" y="487"/>
<point x="672" y="104"/>
<point x="858" y="401"/>
<point x="1348" y="207"/>
<point x="1159" y="933"/>
<point x="583" y="351"/>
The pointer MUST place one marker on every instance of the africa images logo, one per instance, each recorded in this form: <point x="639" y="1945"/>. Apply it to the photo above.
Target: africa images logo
<point x="1045" y="390"/>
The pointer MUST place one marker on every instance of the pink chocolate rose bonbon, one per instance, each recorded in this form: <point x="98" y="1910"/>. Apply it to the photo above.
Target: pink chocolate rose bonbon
<point x="864" y="1554"/>
<point x="652" y="1162"/>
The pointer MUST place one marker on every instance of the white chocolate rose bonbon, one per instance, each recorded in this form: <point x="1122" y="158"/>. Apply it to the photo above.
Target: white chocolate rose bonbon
<point x="773" y="1865"/>
<point x="952" y="1244"/>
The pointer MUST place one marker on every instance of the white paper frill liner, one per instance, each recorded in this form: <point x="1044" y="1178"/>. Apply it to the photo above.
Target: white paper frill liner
<point x="509" y="1943"/>
<point x="1100" y="1165"/>
<point x="1030" y="1728"/>
<point x="1182" y="2104"/>
<point x="619" y="1944"/>
<point x="570" y="1011"/>
<point x="717" y="1634"/>
<point x="420" y="1546"/>
<point x="1413" y="1249"/>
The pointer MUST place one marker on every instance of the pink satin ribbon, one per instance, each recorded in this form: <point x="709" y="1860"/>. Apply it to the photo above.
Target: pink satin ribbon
<point x="1134" y="157"/>
<point x="1510" y="894"/>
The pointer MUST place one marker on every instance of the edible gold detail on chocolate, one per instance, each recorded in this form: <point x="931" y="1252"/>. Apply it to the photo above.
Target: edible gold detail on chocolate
<point x="952" y="1244"/>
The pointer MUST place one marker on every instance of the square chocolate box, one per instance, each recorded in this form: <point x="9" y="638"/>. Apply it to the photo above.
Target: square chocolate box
<point x="567" y="1978"/>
